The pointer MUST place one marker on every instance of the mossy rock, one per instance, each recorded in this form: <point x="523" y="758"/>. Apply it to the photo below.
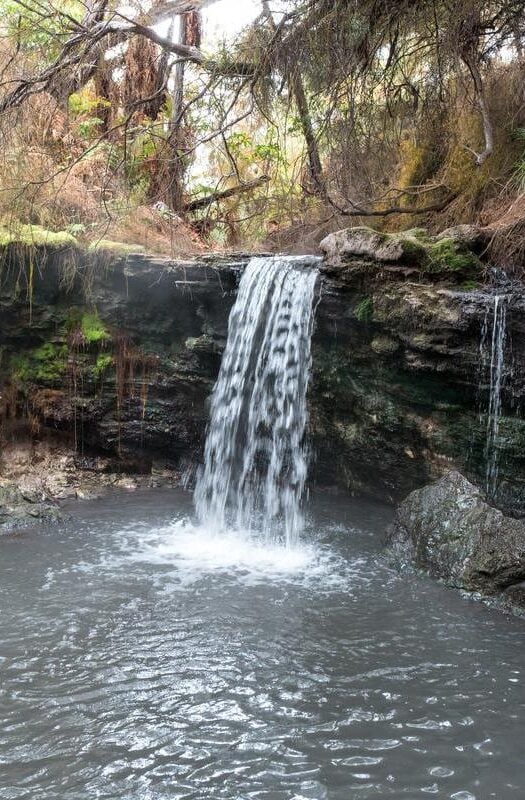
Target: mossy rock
<point x="35" y="236"/>
<point x="364" y="310"/>
<point x="115" y="248"/>
<point x="414" y="248"/>
<point x="87" y="327"/>
<point x="449" y="255"/>
<point x="363" y="242"/>
<point x="102" y="364"/>
<point x="44" y="364"/>
<point x="93" y="329"/>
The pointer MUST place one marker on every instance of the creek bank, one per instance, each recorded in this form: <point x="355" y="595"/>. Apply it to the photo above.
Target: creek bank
<point x="20" y="507"/>
<point x="38" y="476"/>
<point x="450" y="531"/>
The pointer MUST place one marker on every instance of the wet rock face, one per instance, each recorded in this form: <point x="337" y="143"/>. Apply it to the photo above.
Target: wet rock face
<point x="122" y="358"/>
<point x="449" y="530"/>
<point x="400" y="393"/>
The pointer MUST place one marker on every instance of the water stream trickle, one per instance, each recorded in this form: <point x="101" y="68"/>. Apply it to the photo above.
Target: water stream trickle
<point x="492" y="351"/>
<point x="255" y="460"/>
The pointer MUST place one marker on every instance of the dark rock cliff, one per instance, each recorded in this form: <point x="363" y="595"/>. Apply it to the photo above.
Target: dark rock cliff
<point x="120" y="357"/>
<point x="400" y="390"/>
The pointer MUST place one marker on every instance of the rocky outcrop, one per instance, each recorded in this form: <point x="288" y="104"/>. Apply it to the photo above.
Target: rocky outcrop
<point x="453" y="250"/>
<point x="450" y="531"/>
<point x="118" y="357"/>
<point x="400" y="391"/>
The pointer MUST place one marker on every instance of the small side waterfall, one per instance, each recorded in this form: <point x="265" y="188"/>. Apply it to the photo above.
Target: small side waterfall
<point x="492" y="352"/>
<point x="255" y="461"/>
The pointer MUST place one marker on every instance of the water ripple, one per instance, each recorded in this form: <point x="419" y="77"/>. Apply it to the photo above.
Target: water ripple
<point x="141" y="658"/>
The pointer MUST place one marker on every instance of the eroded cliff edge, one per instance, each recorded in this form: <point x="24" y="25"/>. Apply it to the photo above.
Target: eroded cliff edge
<point x="112" y="359"/>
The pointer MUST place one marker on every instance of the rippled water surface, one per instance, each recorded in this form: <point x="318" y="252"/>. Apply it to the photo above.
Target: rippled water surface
<point x="142" y="659"/>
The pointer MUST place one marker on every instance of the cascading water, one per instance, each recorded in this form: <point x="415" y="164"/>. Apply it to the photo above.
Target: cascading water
<point x="492" y="352"/>
<point x="255" y="461"/>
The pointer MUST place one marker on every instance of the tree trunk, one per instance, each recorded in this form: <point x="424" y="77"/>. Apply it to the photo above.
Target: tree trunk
<point x="190" y="36"/>
<point x="315" y="168"/>
<point x="297" y="91"/>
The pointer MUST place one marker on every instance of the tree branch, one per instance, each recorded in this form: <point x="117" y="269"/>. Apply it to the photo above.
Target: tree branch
<point x="242" y="188"/>
<point x="80" y="54"/>
<point x="488" y="132"/>
<point x="357" y="211"/>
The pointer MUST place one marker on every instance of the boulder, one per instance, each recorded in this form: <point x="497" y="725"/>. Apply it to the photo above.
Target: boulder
<point x="364" y="243"/>
<point x="470" y="236"/>
<point x="448" y="254"/>
<point x="449" y="530"/>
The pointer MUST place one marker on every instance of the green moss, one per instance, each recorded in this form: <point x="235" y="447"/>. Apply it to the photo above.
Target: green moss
<point x="445" y="254"/>
<point x="34" y="235"/>
<point x="93" y="329"/>
<point x="414" y="248"/>
<point x="413" y="243"/>
<point x="469" y="286"/>
<point x="102" y="364"/>
<point x="430" y="254"/>
<point x="44" y="364"/>
<point x="436" y="255"/>
<point x="417" y="233"/>
<point x="117" y="248"/>
<point x="20" y="368"/>
<point x="364" y="310"/>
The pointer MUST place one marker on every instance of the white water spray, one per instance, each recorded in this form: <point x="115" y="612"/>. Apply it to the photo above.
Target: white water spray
<point x="255" y="461"/>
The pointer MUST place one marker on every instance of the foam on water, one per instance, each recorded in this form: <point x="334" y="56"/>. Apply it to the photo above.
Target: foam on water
<point x="183" y="552"/>
<point x="202" y="549"/>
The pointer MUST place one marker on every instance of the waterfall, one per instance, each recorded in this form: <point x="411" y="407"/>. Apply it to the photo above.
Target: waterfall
<point x="255" y="460"/>
<point x="494" y="361"/>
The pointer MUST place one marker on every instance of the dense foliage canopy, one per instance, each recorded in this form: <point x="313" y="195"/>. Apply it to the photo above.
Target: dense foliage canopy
<point x="318" y="111"/>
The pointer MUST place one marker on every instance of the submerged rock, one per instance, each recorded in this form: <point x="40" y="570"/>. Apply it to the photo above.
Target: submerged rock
<point x="449" y="530"/>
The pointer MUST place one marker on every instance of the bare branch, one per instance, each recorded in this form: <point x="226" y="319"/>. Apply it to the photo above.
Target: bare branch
<point x="242" y="188"/>
<point x="488" y="133"/>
